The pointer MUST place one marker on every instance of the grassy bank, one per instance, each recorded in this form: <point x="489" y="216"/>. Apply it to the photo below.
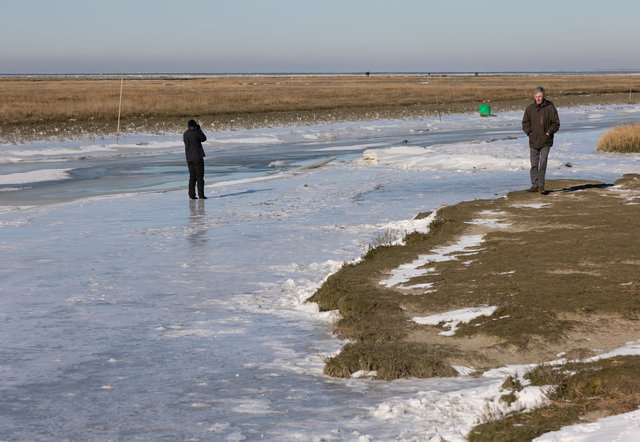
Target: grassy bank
<point x="35" y="108"/>
<point x="558" y="273"/>
<point x="562" y="271"/>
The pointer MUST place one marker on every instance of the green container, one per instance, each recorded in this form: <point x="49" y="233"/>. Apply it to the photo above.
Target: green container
<point x="485" y="110"/>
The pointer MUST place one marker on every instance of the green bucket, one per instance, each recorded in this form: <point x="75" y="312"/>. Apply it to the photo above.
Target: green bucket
<point x="485" y="110"/>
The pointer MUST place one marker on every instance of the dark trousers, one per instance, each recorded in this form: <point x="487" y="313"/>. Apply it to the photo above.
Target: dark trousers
<point x="196" y="175"/>
<point x="538" y="165"/>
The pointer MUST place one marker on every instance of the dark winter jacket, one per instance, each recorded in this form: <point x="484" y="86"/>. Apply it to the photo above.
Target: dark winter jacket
<point x="540" y="120"/>
<point x="193" y="139"/>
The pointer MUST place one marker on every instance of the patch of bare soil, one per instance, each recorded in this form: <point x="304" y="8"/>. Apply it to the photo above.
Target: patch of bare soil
<point x="582" y="244"/>
<point x="581" y="230"/>
<point x="589" y="337"/>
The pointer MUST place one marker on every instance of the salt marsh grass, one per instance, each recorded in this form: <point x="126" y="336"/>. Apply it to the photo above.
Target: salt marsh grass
<point x="621" y="139"/>
<point x="41" y="105"/>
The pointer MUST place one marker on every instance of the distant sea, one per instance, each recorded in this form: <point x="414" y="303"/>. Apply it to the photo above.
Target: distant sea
<point x="155" y="75"/>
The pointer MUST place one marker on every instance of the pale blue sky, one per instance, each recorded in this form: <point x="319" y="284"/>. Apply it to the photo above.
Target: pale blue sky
<point x="66" y="36"/>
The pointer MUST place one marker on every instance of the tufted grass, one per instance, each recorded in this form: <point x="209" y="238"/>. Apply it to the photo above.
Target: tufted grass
<point x="621" y="139"/>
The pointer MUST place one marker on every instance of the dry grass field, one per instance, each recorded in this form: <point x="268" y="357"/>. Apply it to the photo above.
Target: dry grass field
<point x="65" y="107"/>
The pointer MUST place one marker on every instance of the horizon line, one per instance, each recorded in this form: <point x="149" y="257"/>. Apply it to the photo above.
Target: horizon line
<point x="328" y="73"/>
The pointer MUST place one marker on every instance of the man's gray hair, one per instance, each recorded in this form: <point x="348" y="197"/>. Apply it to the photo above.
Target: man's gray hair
<point x="541" y="90"/>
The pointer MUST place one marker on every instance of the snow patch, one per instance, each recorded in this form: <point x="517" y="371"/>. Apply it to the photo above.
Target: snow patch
<point x="405" y="272"/>
<point x="364" y="374"/>
<point x="623" y="427"/>
<point x="350" y="147"/>
<point x="35" y="176"/>
<point x="459" y="409"/>
<point x="247" y="140"/>
<point x="493" y="223"/>
<point x="404" y="227"/>
<point x="459" y="156"/>
<point x="454" y="318"/>
<point x="627" y="194"/>
<point x="531" y="205"/>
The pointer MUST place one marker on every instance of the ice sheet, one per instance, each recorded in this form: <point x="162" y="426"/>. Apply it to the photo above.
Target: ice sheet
<point x="154" y="317"/>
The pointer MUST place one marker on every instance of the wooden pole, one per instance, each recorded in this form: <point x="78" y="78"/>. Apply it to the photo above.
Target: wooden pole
<point x="119" y="109"/>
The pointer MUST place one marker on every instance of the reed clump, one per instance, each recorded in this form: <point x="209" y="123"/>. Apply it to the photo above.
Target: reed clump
<point x="621" y="139"/>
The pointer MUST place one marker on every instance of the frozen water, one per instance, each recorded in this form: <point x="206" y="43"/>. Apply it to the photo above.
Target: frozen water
<point x="128" y="311"/>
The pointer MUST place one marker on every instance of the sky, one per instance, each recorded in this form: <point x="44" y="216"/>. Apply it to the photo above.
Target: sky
<point x="136" y="36"/>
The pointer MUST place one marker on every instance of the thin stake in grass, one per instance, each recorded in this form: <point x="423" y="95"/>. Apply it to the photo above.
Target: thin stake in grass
<point x="72" y="107"/>
<point x="438" y="107"/>
<point x="119" y="109"/>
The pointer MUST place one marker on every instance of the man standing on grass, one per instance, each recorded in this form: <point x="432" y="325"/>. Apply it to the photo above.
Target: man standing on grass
<point x="193" y="139"/>
<point x="540" y="122"/>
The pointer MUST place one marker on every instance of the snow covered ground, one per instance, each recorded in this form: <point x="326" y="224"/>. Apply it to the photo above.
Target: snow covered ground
<point x="128" y="311"/>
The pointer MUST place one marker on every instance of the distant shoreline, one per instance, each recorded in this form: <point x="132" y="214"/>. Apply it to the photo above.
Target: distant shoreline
<point x="182" y="75"/>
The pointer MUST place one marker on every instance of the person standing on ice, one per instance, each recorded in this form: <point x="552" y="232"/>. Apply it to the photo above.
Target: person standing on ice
<point x="193" y="139"/>
<point x="540" y="122"/>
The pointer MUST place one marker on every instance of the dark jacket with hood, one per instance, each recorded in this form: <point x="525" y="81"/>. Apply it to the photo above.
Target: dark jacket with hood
<point x="540" y="120"/>
<point x="193" y="139"/>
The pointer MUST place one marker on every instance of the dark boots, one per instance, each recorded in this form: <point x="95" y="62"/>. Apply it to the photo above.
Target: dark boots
<point x="540" y="189"/>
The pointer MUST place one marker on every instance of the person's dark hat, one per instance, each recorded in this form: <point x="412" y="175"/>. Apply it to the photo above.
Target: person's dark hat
<point x="192" y="123"/>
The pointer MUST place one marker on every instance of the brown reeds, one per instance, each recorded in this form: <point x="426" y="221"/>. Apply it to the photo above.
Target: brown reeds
<point x="39" y="104"/>
<point x="621" y="139"/>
